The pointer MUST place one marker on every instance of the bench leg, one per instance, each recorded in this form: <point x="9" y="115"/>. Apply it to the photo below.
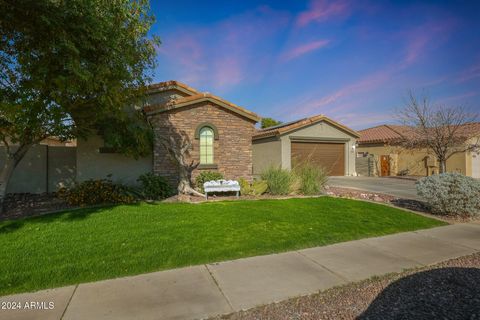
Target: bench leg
<point x="237" y="194"/>
<point x="206" y="195"/>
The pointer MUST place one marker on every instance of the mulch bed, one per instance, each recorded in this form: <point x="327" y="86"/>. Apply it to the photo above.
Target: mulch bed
<point x="20" y="205"/>
<point x="27" y="204"/>
<point x="448" y="290"/>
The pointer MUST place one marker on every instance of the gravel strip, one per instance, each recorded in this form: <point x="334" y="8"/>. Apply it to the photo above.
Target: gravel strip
<point x="449" y="290"/>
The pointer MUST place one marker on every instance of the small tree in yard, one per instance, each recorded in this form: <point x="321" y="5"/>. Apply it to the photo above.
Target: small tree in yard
<point x="444" y="131"/>
<point x="70" y="68"/>
<point x="177" y="144"/>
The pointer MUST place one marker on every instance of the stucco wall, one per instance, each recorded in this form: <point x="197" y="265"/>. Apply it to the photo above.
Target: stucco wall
<point x="413" y="160"/>
<point x="266" y="152"/>
<point x="320" y="130"/>
<point x="43" y="169"/>
<point x="91" y="164"/>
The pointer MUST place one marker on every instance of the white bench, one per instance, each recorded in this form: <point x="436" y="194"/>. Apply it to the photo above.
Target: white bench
<point x="221" y="186"/>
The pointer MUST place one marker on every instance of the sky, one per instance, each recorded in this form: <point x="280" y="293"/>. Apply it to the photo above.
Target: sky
<point x="351" y="60"/>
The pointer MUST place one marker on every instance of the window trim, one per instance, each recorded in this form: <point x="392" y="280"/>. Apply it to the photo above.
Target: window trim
<point x="206" y="124"/>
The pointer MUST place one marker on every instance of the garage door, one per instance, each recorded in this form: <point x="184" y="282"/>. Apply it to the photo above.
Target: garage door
<point x="331" y="156"/>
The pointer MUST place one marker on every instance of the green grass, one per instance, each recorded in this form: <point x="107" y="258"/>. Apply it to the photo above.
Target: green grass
<point x="92" y="244"/>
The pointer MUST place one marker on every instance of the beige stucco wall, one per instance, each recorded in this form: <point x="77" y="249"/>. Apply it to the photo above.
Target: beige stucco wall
<point x="42" y="169"/>
<point x="413" y="160"/>
<point x="91" y="164"/>
<point x="266" y="152"/>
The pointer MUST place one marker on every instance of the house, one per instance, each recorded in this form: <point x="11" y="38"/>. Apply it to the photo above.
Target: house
<point x="317" y="139"/>
<point x="223" y="138"/>
<point x="382" y="145"/>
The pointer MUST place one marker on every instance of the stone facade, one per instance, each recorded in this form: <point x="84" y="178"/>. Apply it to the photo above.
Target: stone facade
<point x="232" y="149"/>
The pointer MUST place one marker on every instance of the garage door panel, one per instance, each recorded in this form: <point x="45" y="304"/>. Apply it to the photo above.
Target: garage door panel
<point x="331" y="156"/>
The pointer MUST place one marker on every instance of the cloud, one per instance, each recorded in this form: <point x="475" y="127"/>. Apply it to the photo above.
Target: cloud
<point x="304" y="49"/>
<point x="321" y="10"/>
<point x="424" y="38"/>
<point x="469" y="73"/>
<point x="224" y="53"/>
<point x="366" y="84"/>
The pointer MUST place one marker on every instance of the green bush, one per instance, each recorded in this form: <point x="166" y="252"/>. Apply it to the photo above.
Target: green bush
<point x="205" y="176"/>
<point x="256" y="188"/>
<point x="279" y="180"/>
<point x="311" y="178"/>
<point x="153" y="187"/>
<point x="92" y="192"/>
<point x="450" y="194"/>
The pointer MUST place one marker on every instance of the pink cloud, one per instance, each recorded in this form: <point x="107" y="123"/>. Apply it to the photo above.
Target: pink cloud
<point x="225" y="53"/>
<point x="304" y="49"/>
<point x="424" y="38"/>
<point x="365" y="84"/>
<point x="468" y="74"/>
<point x="321" y="10"/>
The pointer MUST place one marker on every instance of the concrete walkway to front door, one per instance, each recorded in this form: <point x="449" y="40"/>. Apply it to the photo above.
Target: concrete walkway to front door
<point x="219" y="288"/>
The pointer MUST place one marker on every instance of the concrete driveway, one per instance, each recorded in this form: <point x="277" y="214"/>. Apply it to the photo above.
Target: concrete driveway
<point x="400" y="188"/>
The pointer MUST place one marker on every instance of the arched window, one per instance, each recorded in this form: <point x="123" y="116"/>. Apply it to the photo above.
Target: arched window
<point x="206" y="145"/>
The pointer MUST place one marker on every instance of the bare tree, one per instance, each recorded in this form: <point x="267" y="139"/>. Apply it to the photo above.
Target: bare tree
<point x="443" y="130"/>
<point x="177" y="145"/>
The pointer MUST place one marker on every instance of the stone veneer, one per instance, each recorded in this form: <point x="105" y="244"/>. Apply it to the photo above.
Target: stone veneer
<point x="232" y="151"/>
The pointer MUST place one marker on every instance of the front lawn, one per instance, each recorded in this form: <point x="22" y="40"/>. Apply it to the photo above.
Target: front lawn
<point x="92" y="244"/>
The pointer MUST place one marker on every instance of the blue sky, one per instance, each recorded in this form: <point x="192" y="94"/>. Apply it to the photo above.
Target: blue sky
<point x="353" y="61"/>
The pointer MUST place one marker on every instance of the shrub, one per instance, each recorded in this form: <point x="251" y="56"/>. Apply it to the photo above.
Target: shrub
<point x="311" y="178"/>
<point x="450" y="193"/>
<point x="154" y="187"/>
<point x="255" y="188"/>
<point x="279" y="180"/>
<point x="92" y="192"/>
<point x="205" y="176"/>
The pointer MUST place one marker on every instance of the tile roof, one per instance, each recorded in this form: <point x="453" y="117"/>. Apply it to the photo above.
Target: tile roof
<point x="394" y="133"/>
<point x="194" y="97"/>
<point x="171" y="84"/>
<point x="297" y="124"/>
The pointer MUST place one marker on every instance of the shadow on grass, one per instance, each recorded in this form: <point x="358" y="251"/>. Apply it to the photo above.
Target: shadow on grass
<point x="8" y="226"/>
<point x="445" y="293"/>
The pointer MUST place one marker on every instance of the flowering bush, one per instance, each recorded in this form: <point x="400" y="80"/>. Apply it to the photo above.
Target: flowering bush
<point x="450" y="193"/>
<point x="92" y="192"/>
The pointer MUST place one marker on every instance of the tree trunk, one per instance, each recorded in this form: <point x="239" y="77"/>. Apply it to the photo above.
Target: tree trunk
<point x="11" y="162"/>
<point x="5" y="176"/>
<point x="442" y="166"/>
<point x="184" y="185"/>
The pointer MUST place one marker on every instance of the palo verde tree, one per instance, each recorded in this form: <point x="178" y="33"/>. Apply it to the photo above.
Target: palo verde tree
<point x="70" y="68"/>
<point x="442" y="130"/>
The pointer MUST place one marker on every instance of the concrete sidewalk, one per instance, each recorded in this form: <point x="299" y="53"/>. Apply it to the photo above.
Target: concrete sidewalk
<point x="207" y="290"/>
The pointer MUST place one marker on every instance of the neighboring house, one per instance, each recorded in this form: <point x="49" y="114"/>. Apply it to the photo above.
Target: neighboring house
<point x="317" y="139"/>
<point x="223" y="138"/>
<point x="382" y="144"/>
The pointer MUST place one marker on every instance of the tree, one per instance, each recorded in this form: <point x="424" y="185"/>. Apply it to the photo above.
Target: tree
<point x="269" y="122"/>
<point x="443" y="130"/>
<point x="68" y="68"/>
<point x="177" y="144"/>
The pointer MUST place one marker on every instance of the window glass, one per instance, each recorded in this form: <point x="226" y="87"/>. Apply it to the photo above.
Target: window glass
<point x="206" y="145"/>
